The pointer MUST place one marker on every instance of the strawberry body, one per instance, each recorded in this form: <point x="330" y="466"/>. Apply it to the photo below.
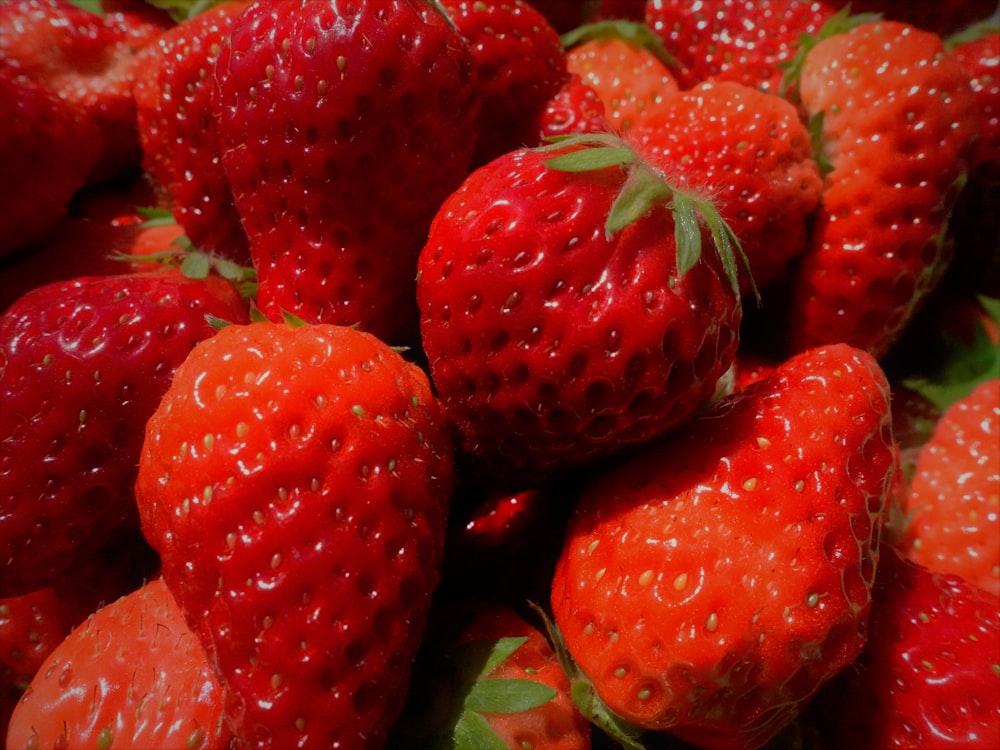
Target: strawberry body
<point x="574" y="108"/>
<point x="734" y="40"/>
<point x="375" y="106"/>
<point x="551" y="341"/>
<point x="711" y="583"/>
<point x="953" y="495"/>
<point x="750" y="152"/>
<point x="178" y="129"/>
<point x="295" y="482"/>
<point x="898" y="126"/>
<point x="84" y="364"/>
<point x="927" y="675"/>
<point x="132" y="675"/>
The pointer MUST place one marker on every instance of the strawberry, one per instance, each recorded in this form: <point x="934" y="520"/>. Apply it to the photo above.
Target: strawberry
<point x="711" y="582"/>
<point x="132" y="675"/>
<point x="178" y="128"/>
<point x="487" y="678"/>
<point x="625" y="63"/>
<point x="374" y="107"/>
<point x="927" y="675"/>
<point x="519" y="64"/>
<point x="295" y="481"/>
<point x="562" y="318"/>
<point x="954" y="525"/>
<point x="941" y="18"/>
<point x="47" y="149"/>
<point x="87" y="59"/>
<point x="85" y="363"/>
<point x="576" y="108"/>
<point x="749" y="151"/>
<point x="897" y="122"/>
<point x="745" y="41"/>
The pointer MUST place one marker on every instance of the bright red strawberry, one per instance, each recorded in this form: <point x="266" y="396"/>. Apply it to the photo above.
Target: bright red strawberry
<point x="33" y="625"/>
<point x="734" y="40"/>
<point x="343" y="127"/>
<point x="557" y="329"/>
<point x="897" y="125"/>
<point x="87" y="59"/>
<point x="132" y="675"/>
<point x="295" y="481"/>
<point x="520" y="66"/>
<point x="626" y="65"/>
<point x="953" y="498"/>
<point x="710" y="583"/>
<point x="500" y="683"/>
<point x="978" y="52"/>
<point x="84" y="364"/>
<point x="927" y="675"/>
<point x="748" y="151"/>
<point x="47" y="148"/>
<point x="178" y="128"/>
<point x="575" y="108"/>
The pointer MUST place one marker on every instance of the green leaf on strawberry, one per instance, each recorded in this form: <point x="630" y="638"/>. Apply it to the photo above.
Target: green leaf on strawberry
<point x="634" y="32"/>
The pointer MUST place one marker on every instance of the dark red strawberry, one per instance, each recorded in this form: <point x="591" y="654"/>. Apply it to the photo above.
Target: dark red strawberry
<point x="562" y="317"/>
<point x="927" y="675"/>
<point x="343" y="127"/>
<point x="710" y="583"/>
<point x="295" y="481"/>
<point x="132" y="675"/>
<point x="178" y="129"/>
<point x="84" y="364"/>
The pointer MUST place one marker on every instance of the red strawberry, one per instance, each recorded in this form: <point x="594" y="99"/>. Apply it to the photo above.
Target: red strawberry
<point x="84" y="364"/>
<point x="575" y="108"/>
<point x="47" y="149"/>
<point x="87" y="59"/>
<point x="954" y="526"/>
<point x="489" y="679"/>
<point x="179" y="133"/>
<point x="519" y="64"/>
<point x="343" y="126"/>
<point x="132" y="675"/>
<point x="734" y="40"/>
<point x="558" y="329"/>
<point x="940" y="17"/>
<point x="927" y="675"/>
<point x="295" y="482"/>
<point x="898" y="123"/>
<point x="626" y="64"/>
<point x="710" y="583"/>
<point x="749" y="152"/>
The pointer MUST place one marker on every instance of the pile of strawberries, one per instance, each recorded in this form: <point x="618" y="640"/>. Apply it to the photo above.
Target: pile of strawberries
<point x="480" y="374"/>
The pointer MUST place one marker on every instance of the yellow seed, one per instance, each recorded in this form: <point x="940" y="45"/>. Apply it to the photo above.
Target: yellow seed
<point x="712" y="622"/>
<point x="681" y="582"/>
<point x="750" y="484"/>
<point x="645" y="578"/>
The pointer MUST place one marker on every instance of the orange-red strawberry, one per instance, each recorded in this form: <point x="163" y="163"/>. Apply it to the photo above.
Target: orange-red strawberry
<point x="132" y="675"/>
<point x="626" y="64"/>
<point x="84" y="365"/>
<point x="897" y="126"/>
<point x="178" y="128"/>
<point x="295" y="481"/>
<point x="927" y="675"/>
<point x="748" y="151"/>
<point x="953" y="499"/>
<point x="343" y="127"/>
<point x="734" y="40"/>
<point x="568" y="308"/>
<point x="712" y="582"/>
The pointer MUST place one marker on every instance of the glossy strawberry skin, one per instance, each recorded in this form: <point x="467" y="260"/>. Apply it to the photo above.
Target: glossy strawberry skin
<point x="132" y="675"/>
<point x="85" y="363"/>
<point x="574" y="108"/>
<point x="337" y="206"/>
<point x="295" y="482"/>
<point x="550" y="342"/>
<point x="775" y="493"/>
<point x="749" y="151"/>
<point x="734" y="40"/>
<point x="897" y="129"/>
<point x="953" y="495"/>
<point x="927" y="676"/>
<point x="174" y="94"/>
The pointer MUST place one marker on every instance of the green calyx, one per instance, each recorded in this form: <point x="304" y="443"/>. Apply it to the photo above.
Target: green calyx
<point x="645" y="188"/>
<point x="633" y="32"/>
<point x="181" y="10"/>
<point x="974" y="31"/>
